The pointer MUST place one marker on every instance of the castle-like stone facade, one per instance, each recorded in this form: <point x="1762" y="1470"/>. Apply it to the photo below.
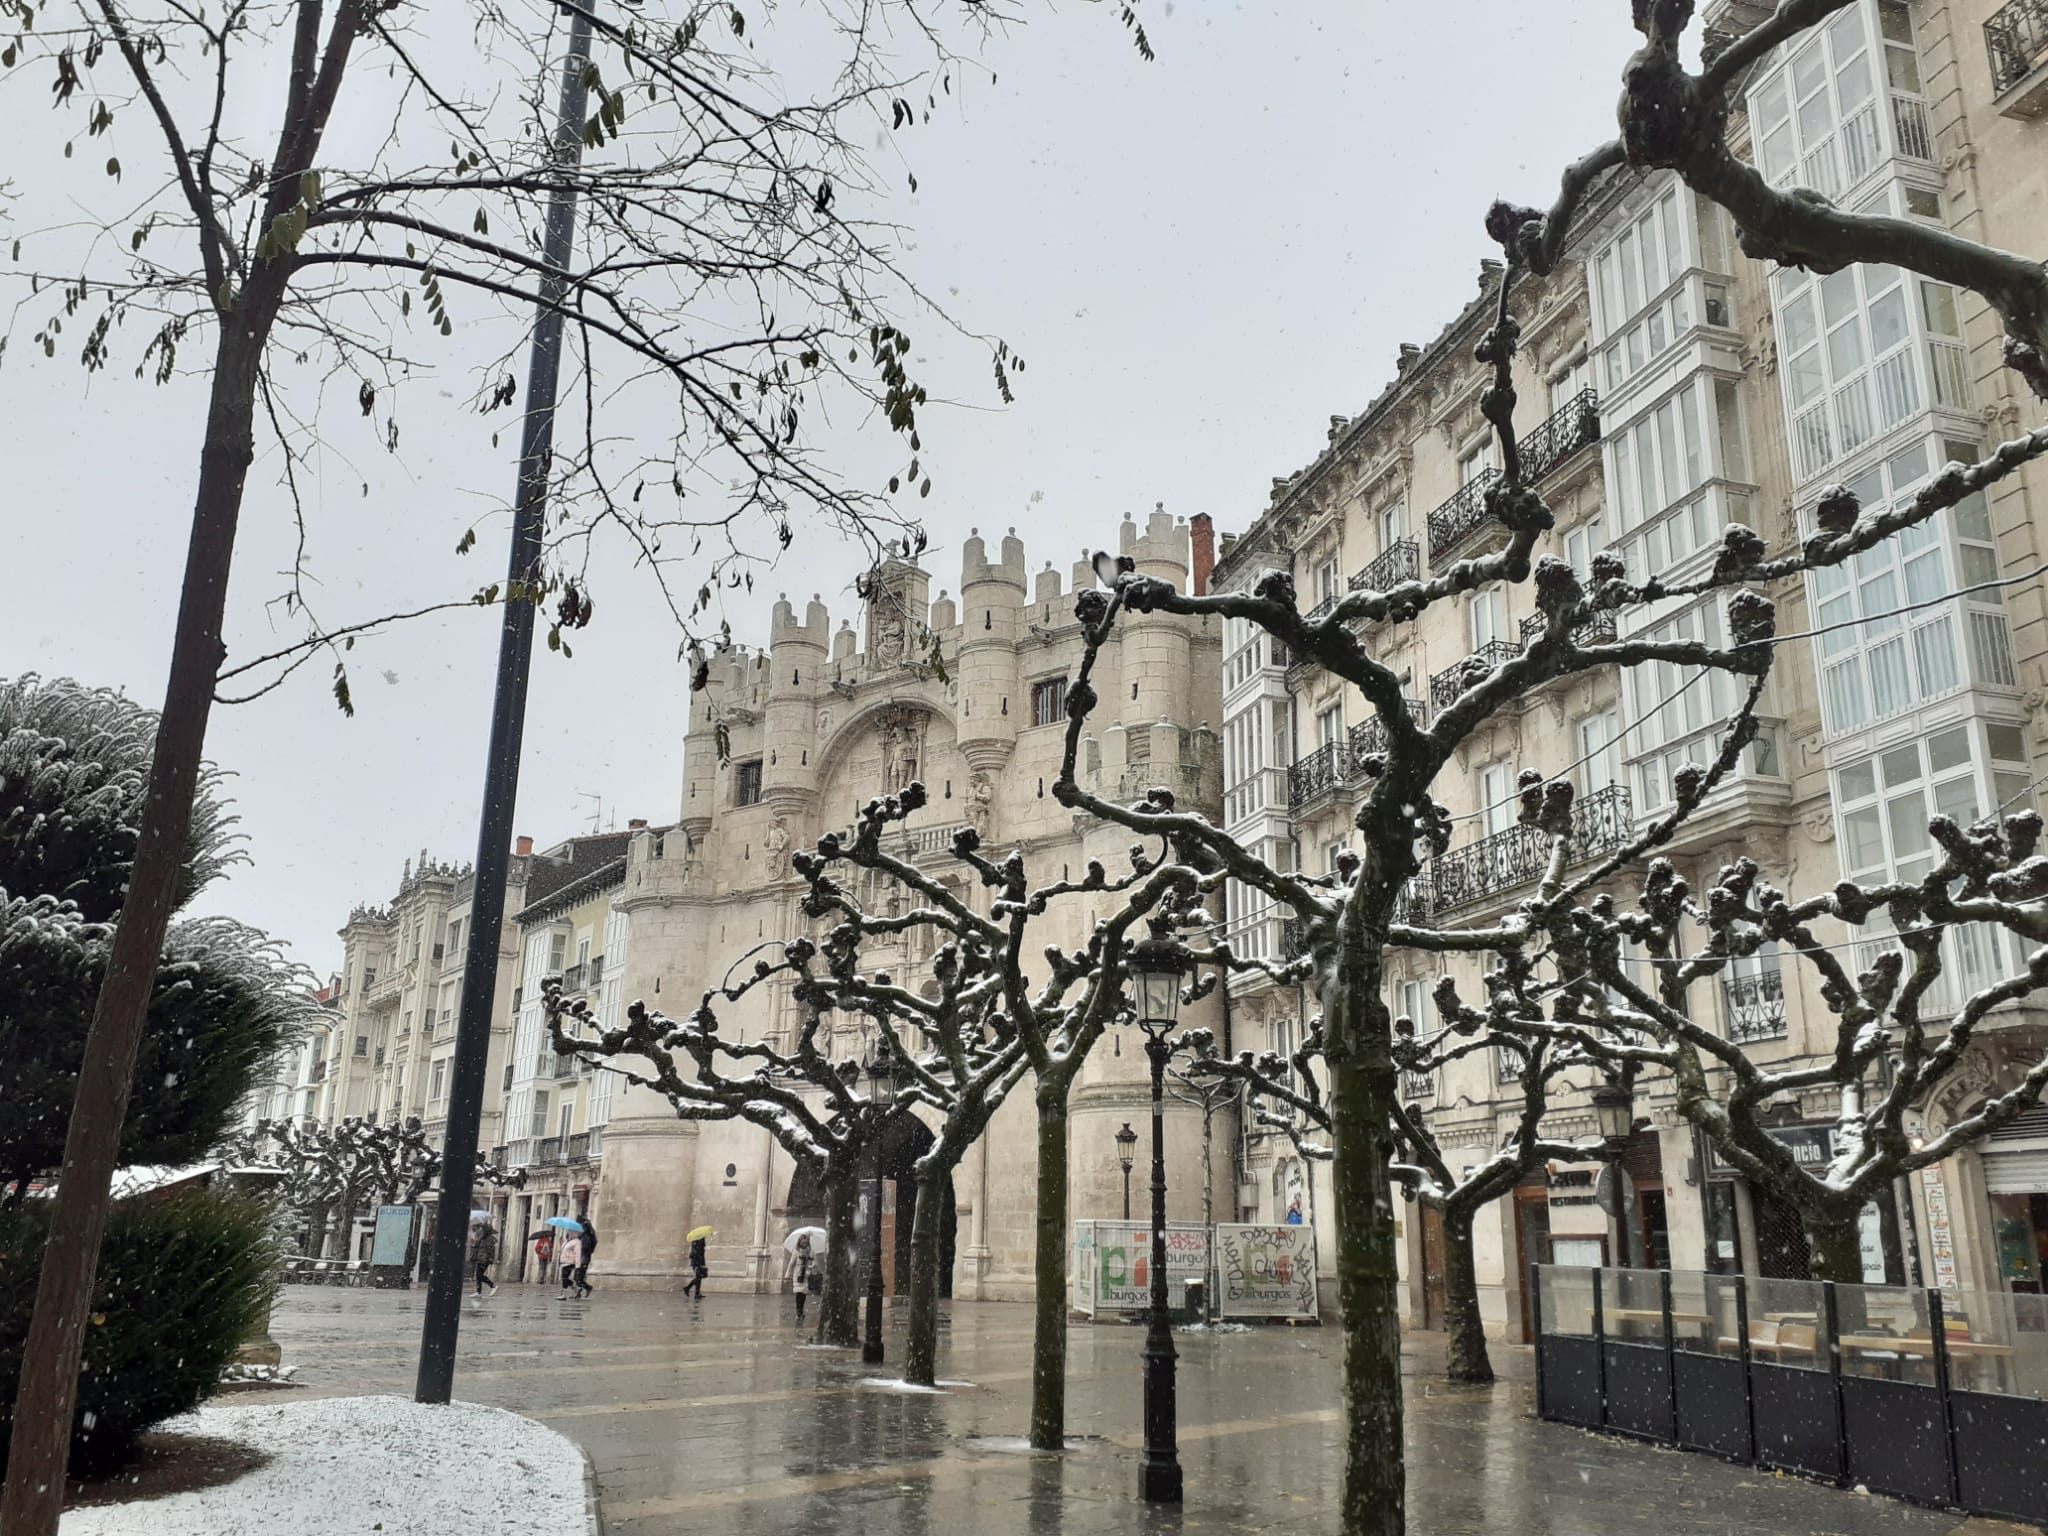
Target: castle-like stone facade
<point x="967" y="695"/>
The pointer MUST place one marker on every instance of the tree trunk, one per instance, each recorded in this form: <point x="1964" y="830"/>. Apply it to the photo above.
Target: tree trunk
<point x="1465" y="1332"/>
<point x="1837" y="1247"/>
<point x="921" y="1349"/>
<point x="1049" y="1325"/>
<point x="1362" y="1095"/>
<point x="48" y="1390"/>
<point x="839" y="1307"/>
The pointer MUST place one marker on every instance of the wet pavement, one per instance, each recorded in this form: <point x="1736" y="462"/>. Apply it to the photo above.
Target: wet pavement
<point x="714" y="1416"/>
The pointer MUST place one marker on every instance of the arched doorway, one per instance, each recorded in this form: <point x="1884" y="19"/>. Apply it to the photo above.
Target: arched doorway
<point x="904" y="1141"/>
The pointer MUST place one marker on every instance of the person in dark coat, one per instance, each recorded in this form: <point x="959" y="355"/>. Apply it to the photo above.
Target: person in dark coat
<point x="589" y="1253"/>
<point x="698" y="1270"/>
<point x="483" y="1253"/>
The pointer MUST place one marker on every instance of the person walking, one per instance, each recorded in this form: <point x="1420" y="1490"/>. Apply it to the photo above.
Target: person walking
<point x="589" y="1252"/>
<point x="571" y="1255"/>
<point x="698" y="1269"/>
<point x="804" y="1273"/>
<point x="483" y="1253"/>
<point x="543" y="1252"/>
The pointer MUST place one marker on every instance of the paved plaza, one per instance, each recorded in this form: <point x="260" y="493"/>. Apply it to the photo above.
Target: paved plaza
<point x="714" y="1417"/>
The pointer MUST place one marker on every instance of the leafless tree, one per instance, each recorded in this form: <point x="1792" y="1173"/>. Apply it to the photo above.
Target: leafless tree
<point x="731" y="274"/>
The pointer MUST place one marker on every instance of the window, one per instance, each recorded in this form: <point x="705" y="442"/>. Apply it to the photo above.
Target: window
<point x="568" y="1119"/>
<point x="362" y="1045"/>
<point x="454" y="936"/>
<point x="437" y="1084"/>
<point x="583" y="955"/>
<point x="1330" y="726"/>
<point x="1568" y="382"/>
<point x="1048" y="701"/>
<point x="1496" y="797"/>
<point x="558" y="950"/>
<point x="1489" y="617"/>
<point x="1393" y="524"/>
<point x="1582" y="544"/>
<point x="1600" y="751"/>
<point x="1332" y="853"/>
<point x="1883" y="805"/>
<point x="1888" y="664"/>
<point x="1329" y="584"/>
<point x="538" y="1125"/>
<point x="1678" y="713"/>
<point x="1477" y="460"/>
<point x="747" y="783"/>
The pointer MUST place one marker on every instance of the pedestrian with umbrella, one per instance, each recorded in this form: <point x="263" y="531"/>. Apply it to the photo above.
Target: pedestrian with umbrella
<point x="804" y="1265"/>
<point x="698" y="1267"/>
<point x="543" y="1251"/>
<point x="483" y="1252"/>
<point x="569" y="1248"/>
<point x="589" y="1250"/>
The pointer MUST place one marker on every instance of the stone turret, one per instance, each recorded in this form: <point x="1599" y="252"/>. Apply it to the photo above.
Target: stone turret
<point x="991" y="623"/>
<point x="797" y="674"/>
<point x="1156" y="645"/>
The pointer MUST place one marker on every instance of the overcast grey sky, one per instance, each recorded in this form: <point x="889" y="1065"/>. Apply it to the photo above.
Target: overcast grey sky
<point x="1202" y="258"/>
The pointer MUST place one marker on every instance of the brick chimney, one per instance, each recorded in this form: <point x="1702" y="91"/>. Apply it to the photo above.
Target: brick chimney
<point x="523" y="847"/>
<point x="1202" y="543"/>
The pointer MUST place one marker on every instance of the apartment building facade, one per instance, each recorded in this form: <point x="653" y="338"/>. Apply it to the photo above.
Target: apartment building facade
<point x="1670" y="386"/>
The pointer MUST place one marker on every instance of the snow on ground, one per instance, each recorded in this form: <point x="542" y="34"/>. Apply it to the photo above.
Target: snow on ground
<point x="358" y="1464"/>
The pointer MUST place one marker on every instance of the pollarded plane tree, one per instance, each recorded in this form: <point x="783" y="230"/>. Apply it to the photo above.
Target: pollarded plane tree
<point x="1289" y="1097"/>
<point x="1930" y="963"/>
<point x="332" y="1170"/>
<point x="298" y="204"/>
<point x="1670" y="118"/>
<point x="955" y="1050"/>
<point x="1045" y="1028"/>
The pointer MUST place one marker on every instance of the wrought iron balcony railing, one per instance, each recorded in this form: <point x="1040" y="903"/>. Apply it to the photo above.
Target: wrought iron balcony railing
<point x="579" y="1147"/>
<point x="1400" y="561"/>
<point x="1756" y="1006"/>
<point x="1370" y="736"/>
<point x="547" y="1152"/>
<point x="1446" y="686"/>
<point x="1572" y="426"/>
<point x="1327" y="768"/>
<point x="1598" y="630"/>
<point x="1507" y="1064"/>
<point x="1462" y="516"/>
<point x="2017" y="36"/>
<point x="1418" y="1085"/>
<point x="1516" y="856"/>
<point x="572" y="979"/>
<point x="1321" y="611"/>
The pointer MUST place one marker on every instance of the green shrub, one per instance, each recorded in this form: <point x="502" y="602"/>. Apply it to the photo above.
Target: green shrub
<point x="183" y="1280"/>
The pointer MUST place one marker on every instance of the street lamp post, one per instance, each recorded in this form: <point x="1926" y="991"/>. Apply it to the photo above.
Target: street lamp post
<point x="1157" y="966"/>
<point x="881" y="1082"/>
<point x="1614" y="1117"/>
<point x="1126" y="1153"/>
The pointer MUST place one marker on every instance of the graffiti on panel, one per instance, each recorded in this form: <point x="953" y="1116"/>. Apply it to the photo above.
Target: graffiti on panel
<point x="1267" y="1271"/>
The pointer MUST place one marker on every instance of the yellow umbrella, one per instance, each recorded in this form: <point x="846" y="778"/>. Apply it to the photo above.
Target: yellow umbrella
<point x="696" y="1232"/>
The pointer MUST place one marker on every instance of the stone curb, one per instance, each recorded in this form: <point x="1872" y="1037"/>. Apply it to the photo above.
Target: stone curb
<point x="593" y="1511"/>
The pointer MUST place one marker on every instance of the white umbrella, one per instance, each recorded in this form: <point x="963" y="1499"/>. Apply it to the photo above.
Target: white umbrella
<point x="815" y="1234"/>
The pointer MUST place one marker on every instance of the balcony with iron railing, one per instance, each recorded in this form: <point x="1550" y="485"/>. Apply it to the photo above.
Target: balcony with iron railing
<point x="1755" y="1004"/>
<point x="572" y="978"/>
<point x="1448" y="686"/>
<point x="1572" y="428"/>
<point x="1598" y="630"/>
<point x="1517" y="856"/>
<point x="547" y="1152"/>
<point x="2017" y="39"/>
<point x="1400" y="561"/>
<point x="1569" y="430"/>
<point x="1337" y="765"/>
<point x="578" y="1150"/>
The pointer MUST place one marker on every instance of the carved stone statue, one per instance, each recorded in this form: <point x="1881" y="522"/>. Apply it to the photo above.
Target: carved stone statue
<point x="777" y="844"/>
<point x="980" y="797"/>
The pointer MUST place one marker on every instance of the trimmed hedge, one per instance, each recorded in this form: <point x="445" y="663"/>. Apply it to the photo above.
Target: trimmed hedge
<point x="183" y="1280"/>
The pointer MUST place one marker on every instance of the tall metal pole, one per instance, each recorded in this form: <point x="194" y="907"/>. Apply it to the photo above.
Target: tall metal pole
<point x="1159" y="1479"/>
<point x="436" y="1382"/>
<point x="871" y="1349"/>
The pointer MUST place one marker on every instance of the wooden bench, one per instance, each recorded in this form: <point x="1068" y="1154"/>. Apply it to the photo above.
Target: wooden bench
<point x="1774" y="1340"/>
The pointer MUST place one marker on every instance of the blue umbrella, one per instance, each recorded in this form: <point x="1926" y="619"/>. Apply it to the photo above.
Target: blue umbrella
<point x="565" y="1221"/>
